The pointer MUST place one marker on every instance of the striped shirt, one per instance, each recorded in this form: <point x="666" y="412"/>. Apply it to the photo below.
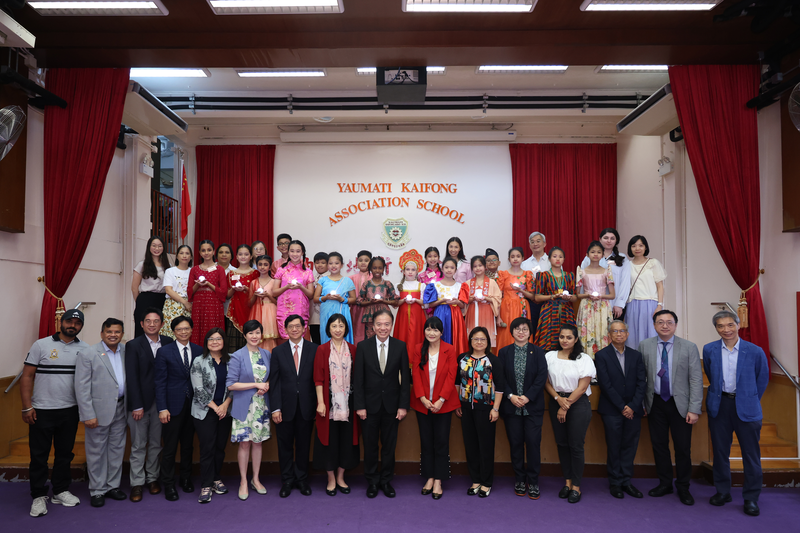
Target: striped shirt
<point x="54" y="385"/>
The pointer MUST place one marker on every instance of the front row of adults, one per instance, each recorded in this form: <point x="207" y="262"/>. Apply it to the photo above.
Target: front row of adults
<point x="366" y="390"/>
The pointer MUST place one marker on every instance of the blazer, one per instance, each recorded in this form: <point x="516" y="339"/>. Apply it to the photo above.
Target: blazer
<point x="139" y="372"/>
<point x="752" y="376"/>
<point x="686" y="379"/>
<point x="204" y="385"/>
<point x="96" y="386"/>
<point x="373" y="389"/>
<point x="171" y="377"/>
<point x="444" y="384"/>
<point x="290" y="387"/>
<point x="240" y="370"/>
<point x="617" y="389"/>
<point x="322" y="378"/>
<point x="533" y="386"/>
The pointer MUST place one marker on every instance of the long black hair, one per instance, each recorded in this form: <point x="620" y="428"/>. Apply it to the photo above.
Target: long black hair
<point x="225" y="357"/>
<point x="577" y="349"/>
<point x="302" y="247"/>
<point x="633" y="241"/>
<point x="267" y="258"/>
<point x="214" y="255"/>
<point x="149" y="268"/>
<point x="595" y="244"/>
<point x="433" y="322"/>
<point x="428" y="250"/>
<point x="618" y="258"/>
<point x="249" y="249"/>
<point x="461" y="256"/>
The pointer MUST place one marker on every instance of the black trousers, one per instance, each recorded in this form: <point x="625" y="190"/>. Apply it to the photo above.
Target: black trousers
<point x="722" y="427"/>
<point x="622" y="441"/>
<point x="536" y="309"/>
<point x="145" y="301"/>
<point x="213" y="435"/>
<point x="380" y="426"/>
<point x="665" y="419"/>
<point x="294" y="447"/>
<point x="524" y="441"/>
<point x="179" y="430"/>
<point x="479" y="434"/>
<point x="314" y="330"/>
<point x="570" y="437"/>
<point x="56" y="428"/>
<point x="434" y="444"/>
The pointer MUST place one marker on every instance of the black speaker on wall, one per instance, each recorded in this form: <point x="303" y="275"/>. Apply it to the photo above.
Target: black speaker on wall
<point x="401" y="85"/>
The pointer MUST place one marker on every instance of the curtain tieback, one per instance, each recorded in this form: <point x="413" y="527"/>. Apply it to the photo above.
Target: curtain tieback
<point x="744" y="318"/>
<point x="59" y="303"/>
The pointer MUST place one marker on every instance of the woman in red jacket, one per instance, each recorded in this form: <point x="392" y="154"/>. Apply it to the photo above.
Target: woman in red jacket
<point x="434" y="398"/>
<point x="336" y="445"/>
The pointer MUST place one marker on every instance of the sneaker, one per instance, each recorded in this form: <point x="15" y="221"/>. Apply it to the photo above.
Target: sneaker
<point x="39" y="507"/>
<point x="219" y="488"/>
<point x="66" y="498"/>
<point x="519" y="488"/>
<point x="205" y="495"/>
<point x="533" y="492"/>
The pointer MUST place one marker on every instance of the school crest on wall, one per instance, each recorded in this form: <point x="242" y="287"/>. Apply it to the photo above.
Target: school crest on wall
<point x="395" y="233"/>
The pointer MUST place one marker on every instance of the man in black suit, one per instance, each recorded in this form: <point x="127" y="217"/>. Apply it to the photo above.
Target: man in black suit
<point x="140" y="354"/>
<point x="174" y="395"/>
<point x="293" y="400"/>
<point x="381" y="396"/>
<point x="623" y="381"/>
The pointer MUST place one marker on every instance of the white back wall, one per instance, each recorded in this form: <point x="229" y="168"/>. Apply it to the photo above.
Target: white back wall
<point x="311" y="180"/>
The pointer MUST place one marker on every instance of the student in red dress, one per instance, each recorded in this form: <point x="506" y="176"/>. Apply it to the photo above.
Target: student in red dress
<point x="239" y="281"/>
<point x="208" y="287"/>
<point x="410" y="322"/>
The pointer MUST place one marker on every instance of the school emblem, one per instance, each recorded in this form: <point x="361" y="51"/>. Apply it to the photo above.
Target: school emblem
<point x="54" y="353"/>
<point x="395" y="233"/>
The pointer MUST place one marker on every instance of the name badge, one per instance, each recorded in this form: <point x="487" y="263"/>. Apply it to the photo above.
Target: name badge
<point x="661" y="373"/>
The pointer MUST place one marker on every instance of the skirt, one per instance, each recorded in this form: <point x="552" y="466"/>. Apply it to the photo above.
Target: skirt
<point x="172" y="310"/>
<point x="593" y="321"/>
<point x="235" y="338"/>
<point x="340" y="451"/>
<point x="639" y="318"/>
<point x="145" y="301"/>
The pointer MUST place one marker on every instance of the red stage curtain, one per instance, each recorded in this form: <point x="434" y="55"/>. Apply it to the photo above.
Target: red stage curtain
<point x="721" y="136"/>
<point x="79" y="144"/>
<point x="566" y="191"/>
<point x="234" y="196"/>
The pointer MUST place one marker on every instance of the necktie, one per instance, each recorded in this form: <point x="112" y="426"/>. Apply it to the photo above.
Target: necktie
<point x="382" y="358"/>
<point x="296" y="359"/>
<point x="665" y="393"/>
<point x="186" y="366"/>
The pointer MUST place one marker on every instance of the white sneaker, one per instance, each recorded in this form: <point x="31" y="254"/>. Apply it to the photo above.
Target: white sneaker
<point x="39" y="507"/>
<point x="66" y="498"/>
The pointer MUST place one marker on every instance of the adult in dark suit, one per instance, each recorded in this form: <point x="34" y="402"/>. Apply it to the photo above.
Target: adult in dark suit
<point x="293" y="399"/>
<point x="382" y="395"/>
<point x="623" y="381"/>
<point x="174" y="394"/>
<point x="738" y="374"/>
<point x="673" y="402"/>
<point x="524" y="411"/>
<point x="140" y="356"/>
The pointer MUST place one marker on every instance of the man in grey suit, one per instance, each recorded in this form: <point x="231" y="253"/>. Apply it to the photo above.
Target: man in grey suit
<point x="100" y="391"/>
<point x="672" y="402"/>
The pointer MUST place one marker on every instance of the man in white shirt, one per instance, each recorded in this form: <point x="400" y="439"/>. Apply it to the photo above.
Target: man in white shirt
<point x="537" y="262"/>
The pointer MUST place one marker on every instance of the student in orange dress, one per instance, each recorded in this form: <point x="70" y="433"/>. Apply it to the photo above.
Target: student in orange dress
<point x="207" y="289"/>
<point x="483" y="297"/>
<point x="359" y="278"/>
<point x="517" y="287"/>
<point x="408" y="326"/>
<point x="239" y="281"/>
<point x="263" y="303"/>
<point x="443" y="297"/>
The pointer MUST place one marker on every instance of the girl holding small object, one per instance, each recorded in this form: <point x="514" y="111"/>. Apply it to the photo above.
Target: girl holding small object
<point x="376" y="293"/>
<point x="443" y="297"/>
<point x="263" y="304"/>
<point x="596" y="287"/>
<point x="483" y="297"/>
<point x="556" y="290"/>
<point x="409" y="325"/>
<point x="620" y="268"/>
<point x="359" y="278"/>
<point x="207" y="290"/>
<point x="293" y="287"/>
<point x="176" y="285"/>
<point x="239" y="281"/>
<point x="335" y="293"/>
<point x="517" y="287"/>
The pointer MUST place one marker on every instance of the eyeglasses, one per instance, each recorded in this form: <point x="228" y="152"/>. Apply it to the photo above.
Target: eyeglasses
<point x="492" y="260"/>
<point x="478" y="339"/>
<point x="665" y="323"/>
<point x="294" y="326"/>
<point x="282" y="244"/>
<point x="181" y="330"/>
<point x="618" y="331"/>
<point x="215" y="339"/>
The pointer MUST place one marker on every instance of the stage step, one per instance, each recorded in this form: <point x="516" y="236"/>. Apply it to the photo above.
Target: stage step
<point x="20" y="447"/>
<point x="777" y="472"/>
<point x="771" y="446"/>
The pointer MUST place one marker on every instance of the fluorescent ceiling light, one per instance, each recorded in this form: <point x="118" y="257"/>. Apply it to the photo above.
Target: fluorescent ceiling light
<point x="469" y="6"/>
<point x="169" y="73"/>
<point x="634" y="68"/>
<point x="521" y="69"/>
<point x="274" y="7"/>
<point x="317" y="73"/>
<point x="434" y="71"/>
<point x="649" y="5"/>
<point x="369" y="71"/>
<point x="85" y="8"/>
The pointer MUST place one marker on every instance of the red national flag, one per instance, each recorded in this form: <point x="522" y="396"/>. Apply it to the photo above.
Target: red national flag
<point x="186" y="205"/>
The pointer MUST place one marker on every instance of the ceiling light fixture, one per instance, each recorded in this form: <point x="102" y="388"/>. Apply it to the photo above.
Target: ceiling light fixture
<point x="366" y="71"/>
<point x="275" y="7"/>
<point x="315" y="73"/>
<point x="371" y="71"/>
<point x="649" y="5"/>
<point x="169" y="73"/>
<point x="634" y="68"/>
<point x="521" y="69"/>
<point x="469" y="6"/>
<point x="84" y="8"/>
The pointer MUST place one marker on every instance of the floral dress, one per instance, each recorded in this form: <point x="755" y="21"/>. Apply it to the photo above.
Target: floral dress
<point x="368" y="291"/>
<point x="255" y="428"/>
<point x="556" y="311"/>
<point x="292" y="301"/>
<point x="594" y="318"/>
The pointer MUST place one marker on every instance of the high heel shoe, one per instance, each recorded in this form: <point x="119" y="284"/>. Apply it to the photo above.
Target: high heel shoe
<point x="261" y="491"/>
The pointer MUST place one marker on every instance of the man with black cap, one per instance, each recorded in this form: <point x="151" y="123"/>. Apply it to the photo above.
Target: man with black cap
<point x="50" y="409"/>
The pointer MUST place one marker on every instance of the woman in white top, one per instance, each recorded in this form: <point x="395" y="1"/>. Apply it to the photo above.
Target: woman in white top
<point x="147" y="284"/>
<point x="646" y="292"/>
<point x="620" y="269"/>
<point x="176" y="285"/>
<point x="570" y="373"/>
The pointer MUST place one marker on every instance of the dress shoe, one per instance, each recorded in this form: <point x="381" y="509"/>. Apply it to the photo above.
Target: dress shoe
<point x="262" y="491"/>
<point x="116" y="494"/>
<point x="533" y="492"/>
<point x="437" y="495"/>
<point x="330" y="492"/>
<point x="388" y="490"/>
<point x="425" y="491"/>
<point x="170" y="493"/>
<point x="564" y="492"/>
<point x="751" y="508"/>
<point x="720" y="499"/>
<point x="304" y="488"/>
<point x="286" y="489"/>
<point x="484" y="493"/>
<point x="154" y="487"/>
<point x="616" y="491"/>
<point x="685" y="497"/>
<point x="136" y="493"/>
<point x="372" y="491"/>
<point x="661" y="490"/>
<point x="343" y="490"/>
<point x="519" y="488"/>
<point x="98" y="501"/>
<point x="472" y="491"/>
<point x="630" y="490"/>
<point x="574" y="496"/>
<point x="187" y="485"/>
